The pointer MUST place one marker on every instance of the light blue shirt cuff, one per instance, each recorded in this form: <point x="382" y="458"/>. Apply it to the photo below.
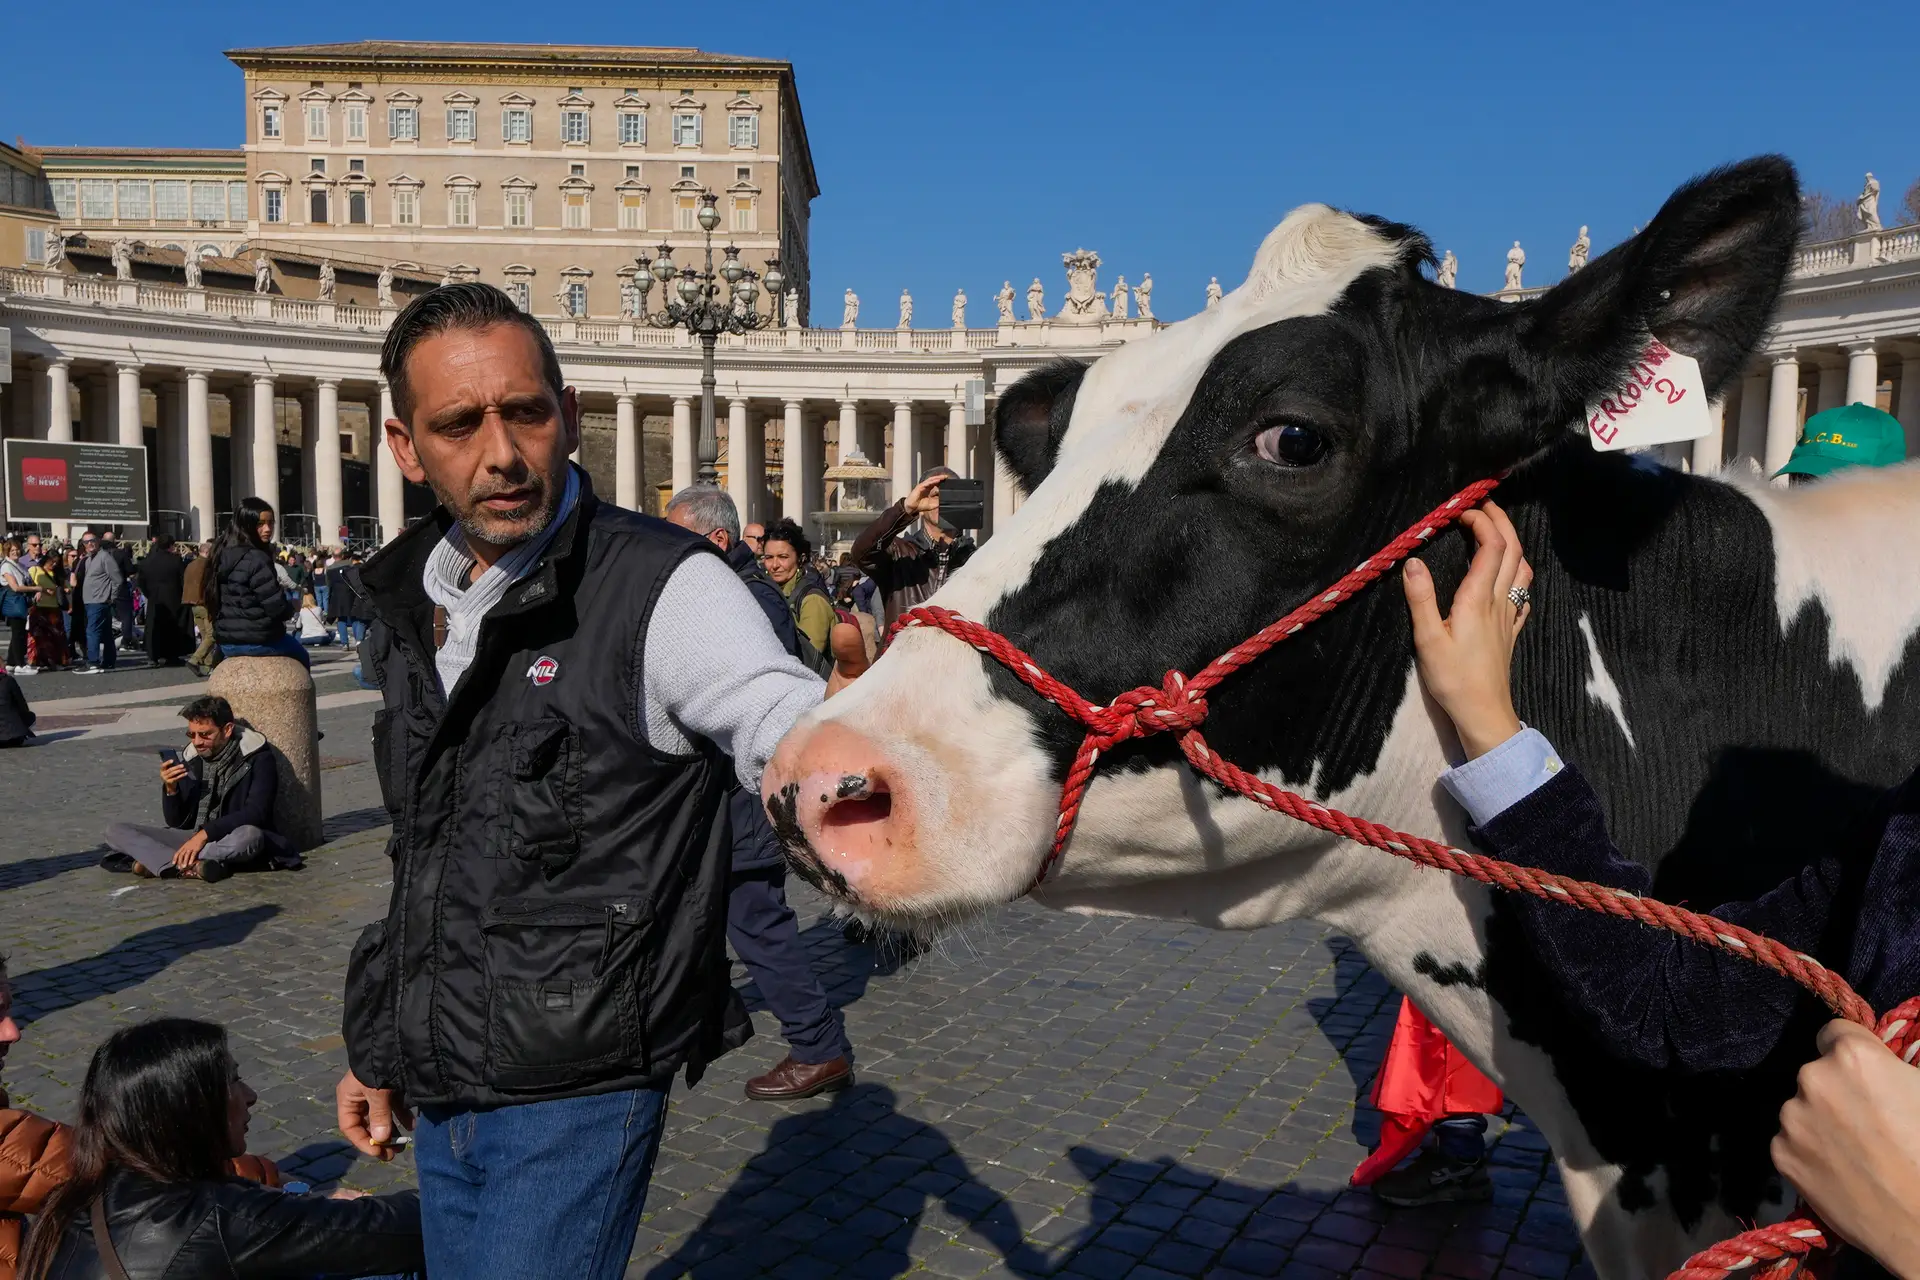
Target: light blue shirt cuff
<point x="1500" y="779"/>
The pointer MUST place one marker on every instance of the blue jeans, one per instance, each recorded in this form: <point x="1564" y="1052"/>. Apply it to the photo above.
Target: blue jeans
<point x="320" y="597"/>
<point x="1462" y="1137"/>
<point x="284" y="647"/>
<point x="542" y="1189"/>
<point x="350" y="631"/>
<point x="100" y="650"/>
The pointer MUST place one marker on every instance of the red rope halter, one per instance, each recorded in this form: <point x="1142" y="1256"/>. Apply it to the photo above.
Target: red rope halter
<point x="1179" y="706"/>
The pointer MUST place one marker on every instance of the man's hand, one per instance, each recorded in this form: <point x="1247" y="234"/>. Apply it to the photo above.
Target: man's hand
<point x="1846" y="1142"/>
<point x="187" y="856"/>
<point x="924" y="500"/>
<point x="1466" y="658"/>
<point x="367" y="1116"/>
<point x="172" y="774"/>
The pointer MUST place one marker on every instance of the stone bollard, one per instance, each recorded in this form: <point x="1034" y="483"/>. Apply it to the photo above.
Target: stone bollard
<point x="275" y="696"/>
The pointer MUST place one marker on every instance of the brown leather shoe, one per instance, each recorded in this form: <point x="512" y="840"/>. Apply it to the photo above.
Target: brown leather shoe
<point x="792" y="1080"/>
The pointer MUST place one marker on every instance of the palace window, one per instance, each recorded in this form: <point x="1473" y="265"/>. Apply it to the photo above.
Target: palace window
<point x="169" y="200"/>
<point x="209" y="202"/>
<point x="519" y="209"/>
<point x="316" y="121"/>
<point x="573" y="126"/>
<point x="685" y="210"/>
<point x="460" y="208"/>
<point x="406" y="208"/>
<point x="357" y="207"/>
<point x="577" y="170"/>
<point x="319" y="164"/>
<point x="273" y="205"/>
<point x="236" y="202"/>
<point x="356" y="166"/>
<point x="461" y="126"/>
<point x="270" y="122"/>
<point x="633" y="171"/>
<point x="96" y="198"/>
<point x="356" y="122"/>
<point x="317" y="206"/>
<point x="576" y="298"/>
<point x="36" y="244"/>
<point x="633" y="211"/>
<point x="743" y="213"/>
<point x="743" y="131"/>
<point x="516" y="125"/>
<point x="403" y="124"/>
<point x="65" y="196"/>
<point x="633" y="129"/>
<point x="686" y="173"/>
<point x="686" y="128"/>
<point x="574" y="206"/>
<point x="136" y="201"/>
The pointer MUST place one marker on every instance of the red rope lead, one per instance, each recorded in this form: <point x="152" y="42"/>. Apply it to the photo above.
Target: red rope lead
<point x="1179" y="706"/>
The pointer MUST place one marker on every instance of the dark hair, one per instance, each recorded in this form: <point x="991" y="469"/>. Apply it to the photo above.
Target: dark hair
<point x="209" y="706"/>
<point x="466" y="305"/>
<point x="242" y="531"/>
<point x="788" y="531"/>
<point x="163" y="542"/>
<point x="154" y="1102"/>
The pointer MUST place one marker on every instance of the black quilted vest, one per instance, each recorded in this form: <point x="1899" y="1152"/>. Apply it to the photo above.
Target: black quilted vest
<point x="558" y="919"/>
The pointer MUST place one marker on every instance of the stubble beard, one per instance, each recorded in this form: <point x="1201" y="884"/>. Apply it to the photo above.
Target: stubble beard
<point x="506" y="531"/>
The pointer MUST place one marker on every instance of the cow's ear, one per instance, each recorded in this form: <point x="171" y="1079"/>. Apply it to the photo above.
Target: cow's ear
<point x="1032" y="418"/>
<point x="1703" y="278"/>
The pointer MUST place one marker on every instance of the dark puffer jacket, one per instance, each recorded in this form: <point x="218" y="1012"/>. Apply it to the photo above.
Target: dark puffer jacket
<point x="252" y="608"/>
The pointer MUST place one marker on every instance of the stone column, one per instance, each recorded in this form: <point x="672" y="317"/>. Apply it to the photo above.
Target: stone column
<point x="329" y="506"/>
<point x="850" y="430"/>
<point x="390" y="498"/>
<point x="1709" y="449"/>
<point x="1751" y="442"/>
<point x="626" y="453"/>
<point x="957" y="453"/>
<point x="266" y="443"/>
<point x="1833" y="390"/>
<point x="1909" y="405"/>
<point x="796" y="485"/>
<point x="200" y="508"/>
<point x="1783" y="414"/>
<point x="59" y="402"/>
<point x="309" y="500"/>
<point x="741" y="455"/>
<point x="683" y="460"/>
<point x="903" y="473"/>
<point x="1863" y="374"/>
<point x="126" y="405"/>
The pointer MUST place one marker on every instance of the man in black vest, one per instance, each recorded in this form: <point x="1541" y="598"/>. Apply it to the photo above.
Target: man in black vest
<point x="557" y="737"/>
<point x="761" y="925"/>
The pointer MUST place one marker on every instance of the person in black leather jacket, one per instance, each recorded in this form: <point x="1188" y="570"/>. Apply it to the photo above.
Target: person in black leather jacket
<point x="249" y="606"/>
<point x="162" y="1111"/>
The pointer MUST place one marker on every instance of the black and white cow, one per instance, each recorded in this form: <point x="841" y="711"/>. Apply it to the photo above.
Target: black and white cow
<point x="1737" y="667"/>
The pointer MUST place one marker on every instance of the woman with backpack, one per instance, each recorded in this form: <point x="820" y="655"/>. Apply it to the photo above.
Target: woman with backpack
<point x="784" y="556"/>
<point x="249" y="607"/>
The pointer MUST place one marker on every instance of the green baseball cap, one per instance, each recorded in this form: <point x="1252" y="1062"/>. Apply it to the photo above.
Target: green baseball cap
<point x="1854" y="435"/>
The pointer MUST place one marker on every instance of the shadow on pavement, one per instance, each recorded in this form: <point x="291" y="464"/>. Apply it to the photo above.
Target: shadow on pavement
<point x="1344" y="1019"/>
<point x="129" y="962"/>
<point x="353" y="822"/>
<point x="883" y="1168"/>
<point x="843" y="968"/>
<point x="18" y="875"/>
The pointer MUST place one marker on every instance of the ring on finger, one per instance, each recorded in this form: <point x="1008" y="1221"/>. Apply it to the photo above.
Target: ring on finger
<point x="1519" y="596"/>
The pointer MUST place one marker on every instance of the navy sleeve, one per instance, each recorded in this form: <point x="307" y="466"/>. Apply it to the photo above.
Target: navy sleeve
<point x="177" y="810"/>
<point x="774" y="605"/>
<point x="255" y="802"/>
<point x="1653" y="997"/>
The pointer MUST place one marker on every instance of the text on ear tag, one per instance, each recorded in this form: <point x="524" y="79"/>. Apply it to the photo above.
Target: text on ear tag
<point x="1663" y="399"/>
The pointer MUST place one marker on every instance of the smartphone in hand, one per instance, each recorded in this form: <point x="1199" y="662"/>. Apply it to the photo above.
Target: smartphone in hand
<point x="169" y="755"/>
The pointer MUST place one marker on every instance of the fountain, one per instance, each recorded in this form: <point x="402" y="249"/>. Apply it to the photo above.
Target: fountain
<point x="860" y="498"/>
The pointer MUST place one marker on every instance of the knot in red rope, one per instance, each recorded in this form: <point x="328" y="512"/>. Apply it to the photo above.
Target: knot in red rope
<point x="1174" y="707"/>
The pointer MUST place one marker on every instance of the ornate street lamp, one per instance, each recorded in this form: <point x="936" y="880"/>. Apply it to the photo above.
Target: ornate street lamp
<point x="701" y="311"/>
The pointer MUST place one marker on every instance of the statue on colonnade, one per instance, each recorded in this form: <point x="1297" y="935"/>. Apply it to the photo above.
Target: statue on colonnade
<point x="1867" y="207"/>
<point x="906" y="310"/>
<point x="1577" y="256"/>
<point x="960" y="309"/>
<point x="1004" y="300"/>
<point x="1036" y="302"/>
<point x="1143" y="296"/>
<point x="1119" y="306"/>
<point x="328" y="280"/>
<point x="384" y="285"/>
<point x="1516" y="259"/>
<point x="122" y="260"/>
<point x="192" y="267"/>
<point x="850" y="313"/>
<point x="1214" y="293"/>
<point x="262" y="274"/>
<point x="1449" y="271"/>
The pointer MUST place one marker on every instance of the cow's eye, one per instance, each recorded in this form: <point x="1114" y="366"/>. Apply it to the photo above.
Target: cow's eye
<point x="1291" y="445"/>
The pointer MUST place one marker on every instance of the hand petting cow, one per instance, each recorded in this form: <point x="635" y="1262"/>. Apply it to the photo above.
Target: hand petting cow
<point x="1735" y="668"/>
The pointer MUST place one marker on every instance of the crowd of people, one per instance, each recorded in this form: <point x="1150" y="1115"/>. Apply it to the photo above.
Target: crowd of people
<point x="577" y="704"/>
<point x="81" y="606"/>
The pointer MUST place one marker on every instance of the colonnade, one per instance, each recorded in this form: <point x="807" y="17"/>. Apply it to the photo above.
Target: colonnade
<point x="1760" y="417"/>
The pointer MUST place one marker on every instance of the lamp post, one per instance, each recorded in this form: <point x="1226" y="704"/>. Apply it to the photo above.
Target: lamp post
<point x="700" y="310"/>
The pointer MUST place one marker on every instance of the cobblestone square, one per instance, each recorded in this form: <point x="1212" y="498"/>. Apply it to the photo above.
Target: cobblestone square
<point x="1039" y="1095"/>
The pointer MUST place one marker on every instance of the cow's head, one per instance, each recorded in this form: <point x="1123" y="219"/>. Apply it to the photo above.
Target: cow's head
<point x="1189" y="488"/>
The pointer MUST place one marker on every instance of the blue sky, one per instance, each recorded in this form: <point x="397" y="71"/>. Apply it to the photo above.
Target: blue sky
<point x="960" y="145"/>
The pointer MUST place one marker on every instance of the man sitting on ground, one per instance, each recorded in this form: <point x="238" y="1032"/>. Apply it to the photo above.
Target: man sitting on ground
<point x="222" y="797"/>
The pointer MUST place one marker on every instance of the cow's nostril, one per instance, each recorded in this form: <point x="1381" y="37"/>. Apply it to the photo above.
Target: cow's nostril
<point x="861" y="803"/>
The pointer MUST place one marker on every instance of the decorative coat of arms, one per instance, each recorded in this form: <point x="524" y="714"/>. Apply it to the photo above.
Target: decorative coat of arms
<point x="1085" y="303"/>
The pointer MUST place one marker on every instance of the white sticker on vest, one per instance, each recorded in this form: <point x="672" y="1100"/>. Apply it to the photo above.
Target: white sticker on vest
<point x="1664" y="400"/>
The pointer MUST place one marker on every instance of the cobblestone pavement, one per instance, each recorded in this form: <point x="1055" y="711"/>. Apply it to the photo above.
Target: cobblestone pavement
<point x="1042" y="1094"/>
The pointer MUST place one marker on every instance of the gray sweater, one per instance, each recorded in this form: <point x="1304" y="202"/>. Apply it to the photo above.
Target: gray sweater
<point x="104" y="576"/>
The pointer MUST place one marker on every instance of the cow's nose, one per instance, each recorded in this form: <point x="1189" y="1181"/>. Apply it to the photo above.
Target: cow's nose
<point x="845" y="813"/>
